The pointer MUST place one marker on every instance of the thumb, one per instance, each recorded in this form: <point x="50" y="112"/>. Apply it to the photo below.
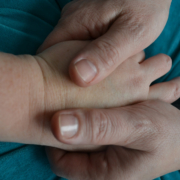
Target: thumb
<point x="102" y="56"/>
<point x="92" y="126"/>
<point x="128" y="126"/>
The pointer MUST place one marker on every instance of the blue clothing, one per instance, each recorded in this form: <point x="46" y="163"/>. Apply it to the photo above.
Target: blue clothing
<point x="169" y="42"/>
<point x="24" y="24"/>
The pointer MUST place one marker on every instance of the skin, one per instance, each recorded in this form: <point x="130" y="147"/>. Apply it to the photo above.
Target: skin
<point x="119" y="29"/>
<point x="143" y="143"/>
<point x="33" y="88"/>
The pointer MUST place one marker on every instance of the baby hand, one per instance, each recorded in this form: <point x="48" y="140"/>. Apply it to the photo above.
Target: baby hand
<point x="130" y="83"/>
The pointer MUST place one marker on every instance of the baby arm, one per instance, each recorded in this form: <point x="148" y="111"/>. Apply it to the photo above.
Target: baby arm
<point x="34" y="88"/>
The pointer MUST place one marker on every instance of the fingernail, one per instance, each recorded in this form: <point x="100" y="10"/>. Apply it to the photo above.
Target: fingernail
<point x="68" y="125"/>
<point x="86" y="70"/>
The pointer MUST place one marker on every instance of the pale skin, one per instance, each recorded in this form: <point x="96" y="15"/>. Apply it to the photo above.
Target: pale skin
<point x="143" y="143"/>
<point x="119" y="29"/>
<point x="33" y="88"/>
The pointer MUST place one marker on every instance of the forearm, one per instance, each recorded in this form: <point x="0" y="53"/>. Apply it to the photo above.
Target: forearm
<point x="24" y="112"/>
<point x="18" y="95"/>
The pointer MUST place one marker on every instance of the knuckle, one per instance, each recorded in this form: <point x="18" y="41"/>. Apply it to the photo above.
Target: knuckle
<point x="134" y="22"/>
<point x="137" y="30"/>
<point x="143" y="129"/>
<point x="100" y="125"/>
<point x="108" y="53"/>
<point x="147" y="128"/>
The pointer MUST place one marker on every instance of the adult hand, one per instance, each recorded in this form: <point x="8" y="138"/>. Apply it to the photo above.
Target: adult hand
<point x="145" y="140"/>
<point x="121" y="28"/>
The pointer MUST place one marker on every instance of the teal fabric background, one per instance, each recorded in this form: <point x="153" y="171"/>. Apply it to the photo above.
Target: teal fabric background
<point x="24" y="24"/>
<point x="169" y="42"/>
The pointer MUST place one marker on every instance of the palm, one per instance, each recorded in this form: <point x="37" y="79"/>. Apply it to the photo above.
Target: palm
<point x="112" y="163"/>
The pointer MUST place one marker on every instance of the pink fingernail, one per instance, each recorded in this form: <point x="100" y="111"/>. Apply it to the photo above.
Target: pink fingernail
<point x="86" y="70"/>
<point x="68" y="125"/>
